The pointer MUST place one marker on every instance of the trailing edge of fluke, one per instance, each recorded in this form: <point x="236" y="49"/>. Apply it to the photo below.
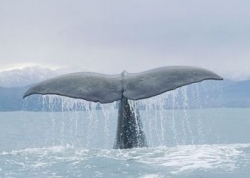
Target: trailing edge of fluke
<point x="104" y="88"/>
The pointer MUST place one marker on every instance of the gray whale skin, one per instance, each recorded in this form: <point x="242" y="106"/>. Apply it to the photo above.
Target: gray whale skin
<point x="134" y="86"/>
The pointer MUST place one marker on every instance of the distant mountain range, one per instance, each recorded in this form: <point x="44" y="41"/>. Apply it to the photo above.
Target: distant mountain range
<point x="207" y="94"/>
<point x="31" y="75"/>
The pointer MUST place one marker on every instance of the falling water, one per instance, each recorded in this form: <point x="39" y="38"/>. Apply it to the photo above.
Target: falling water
<point x="168" y="119"/>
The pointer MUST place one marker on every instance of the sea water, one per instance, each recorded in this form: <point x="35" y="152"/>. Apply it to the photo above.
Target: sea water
<point x="195" y="143"/>
<point x="186" y="134"/>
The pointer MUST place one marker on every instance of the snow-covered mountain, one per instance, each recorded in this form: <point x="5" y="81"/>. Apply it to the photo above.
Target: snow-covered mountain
<point x="30" y="75"/>
<point x="25" y="76"/>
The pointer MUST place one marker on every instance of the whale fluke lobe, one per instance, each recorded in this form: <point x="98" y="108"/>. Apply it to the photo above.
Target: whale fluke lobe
<point x="157" y="81"/>
<point x="134" y="86"/>
<point x="83" y="85"/>
<point x="108" y="88"/>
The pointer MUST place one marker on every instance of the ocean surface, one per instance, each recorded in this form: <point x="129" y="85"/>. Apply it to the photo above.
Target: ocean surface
<point x="197" y="143"/>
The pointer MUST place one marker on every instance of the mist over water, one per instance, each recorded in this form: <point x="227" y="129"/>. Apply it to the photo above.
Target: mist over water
<point x="185" y="139"/>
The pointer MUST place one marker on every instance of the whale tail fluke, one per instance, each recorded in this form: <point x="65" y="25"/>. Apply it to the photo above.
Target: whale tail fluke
<point x="108" y="88"/>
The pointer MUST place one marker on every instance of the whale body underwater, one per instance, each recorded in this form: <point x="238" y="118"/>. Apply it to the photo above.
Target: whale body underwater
<point x="122" y="87"/>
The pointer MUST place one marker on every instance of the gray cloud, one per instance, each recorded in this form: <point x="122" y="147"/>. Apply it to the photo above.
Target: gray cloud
<point x="136" y="35"/>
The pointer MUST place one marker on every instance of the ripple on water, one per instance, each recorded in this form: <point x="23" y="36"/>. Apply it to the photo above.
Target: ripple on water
<point x="68" y="161"/>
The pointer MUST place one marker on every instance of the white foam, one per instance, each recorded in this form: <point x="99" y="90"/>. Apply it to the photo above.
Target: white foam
<point x="151" y="176"/>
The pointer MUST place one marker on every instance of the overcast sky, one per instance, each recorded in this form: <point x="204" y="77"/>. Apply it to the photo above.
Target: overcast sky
<point x="135" y="35"/>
